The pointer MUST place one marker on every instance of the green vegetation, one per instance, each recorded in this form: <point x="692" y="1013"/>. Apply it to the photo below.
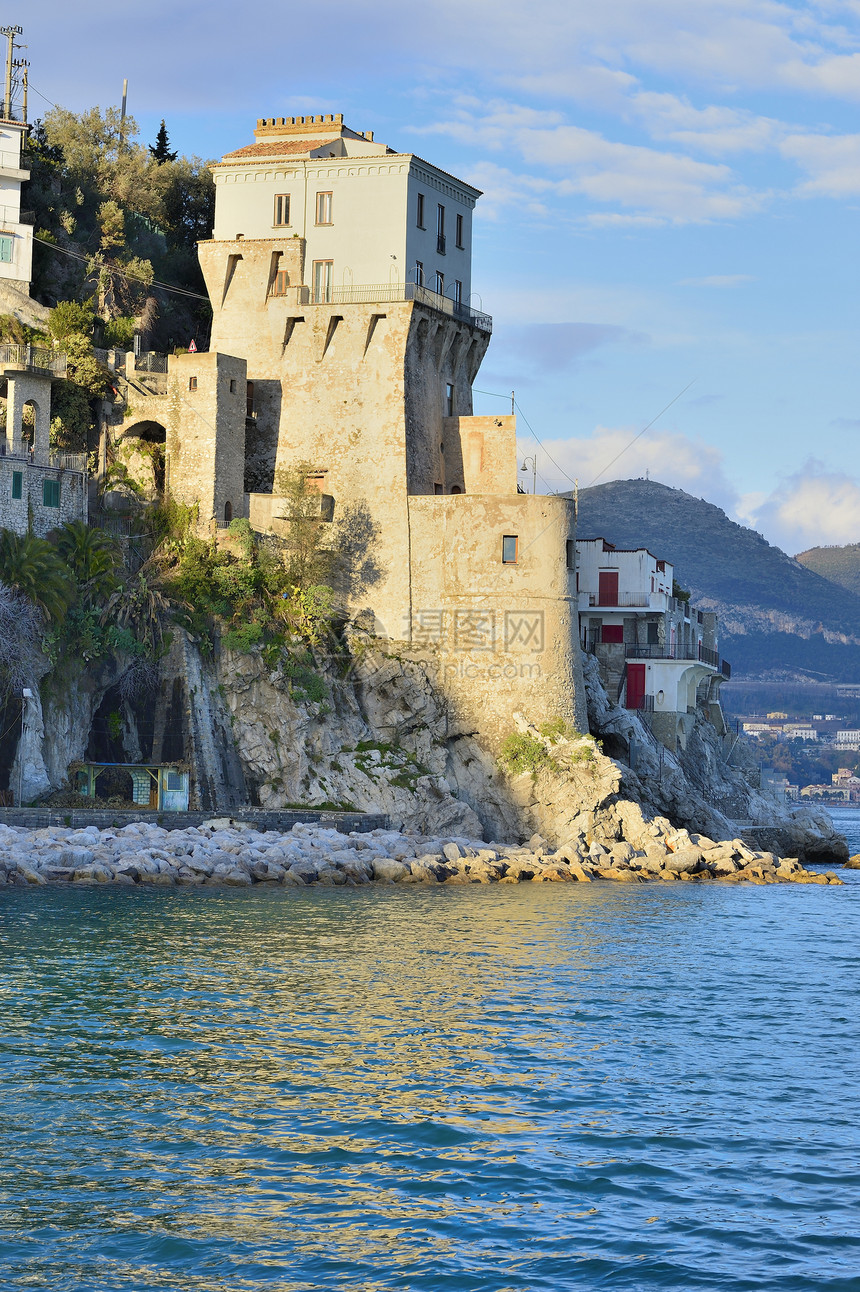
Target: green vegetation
<point x="128" y="214"/>
<point x="840" y="565"/>
<point x="522" y="752"/>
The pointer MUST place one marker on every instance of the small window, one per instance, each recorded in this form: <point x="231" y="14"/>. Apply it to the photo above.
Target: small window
<point x="449" y="400"/>
<point x="460" y="242"/>
<point x="458" y="292"/>
<point x="281" y="283"/>
<point x="50" y="493"/>
<point x="17" y="484"/>
<point x="282" y="209"/>
<point x="232" y="385"/>
<point x="440" y="220"/>
<point x="324" y="208"/>
<point x="6" y="249"/>
<point x="439" y="285"/>
<point x="174" y="782"/>
<point x="570" y="547"/>
<point x="192" y="383"/>
<point x="510" y="549"/>
<point x="420" y="220"/>
<point x="419" y="272"/>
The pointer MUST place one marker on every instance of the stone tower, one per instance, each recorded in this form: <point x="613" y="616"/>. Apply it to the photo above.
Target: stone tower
<point x="340" y="270"/>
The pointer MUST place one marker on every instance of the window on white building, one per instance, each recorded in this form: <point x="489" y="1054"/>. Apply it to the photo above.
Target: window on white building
<point x="439" y="284"/>
<point x="6" y="248"/>
<point x="323" y="281"/>
<point x="419" y="272"/>
<point x="324" y="208"/>
<point x="460" y="242"/>
<point x="420" y="213"/>
<point x="282" y="209"/>
<point x="457" y="294"/>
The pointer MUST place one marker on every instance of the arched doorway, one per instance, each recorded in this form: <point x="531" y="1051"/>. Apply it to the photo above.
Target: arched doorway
<point x="228" y="513"/>
<point x="139" y="460"/>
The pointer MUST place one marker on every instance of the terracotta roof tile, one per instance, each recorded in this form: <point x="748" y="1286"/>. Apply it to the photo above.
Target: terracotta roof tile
<point x="277" y="148"/>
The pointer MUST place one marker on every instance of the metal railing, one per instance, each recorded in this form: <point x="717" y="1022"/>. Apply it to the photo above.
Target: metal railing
<point x="151" y="361"/>
<point x="725" y="668"/>
<point x="33" y="358"/>
<point x="708" y="656"/>
<point x="54" y="460"/>
<point x="385" y="293"/>
<point x="14" y="215"/>
<point x="634" y="600"/>
<point x="662" y="652"/>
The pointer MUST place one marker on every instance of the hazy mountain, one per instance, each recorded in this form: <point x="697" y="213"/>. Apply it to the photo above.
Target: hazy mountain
<point x="776" y="614"/>
<point x="838" y="564"/>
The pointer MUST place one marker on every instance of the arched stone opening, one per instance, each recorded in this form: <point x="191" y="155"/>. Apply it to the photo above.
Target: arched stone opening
<point x="30" y="415"/>
<point x="228" y="513"/>
<point x="138" y="465"/>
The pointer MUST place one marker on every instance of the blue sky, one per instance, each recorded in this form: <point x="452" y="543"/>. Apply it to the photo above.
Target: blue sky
<point x="672" y="193"/>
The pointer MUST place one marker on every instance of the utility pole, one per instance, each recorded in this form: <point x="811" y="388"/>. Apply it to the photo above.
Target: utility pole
<point x="513" y="403"/>
<point x="122" y="111"/>
<point x="10" y="33"/>
<point x="24" y="63"/>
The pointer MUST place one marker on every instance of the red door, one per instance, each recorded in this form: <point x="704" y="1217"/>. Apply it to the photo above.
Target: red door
<point x="607" y="588"/>
<point x="635" y="685"/>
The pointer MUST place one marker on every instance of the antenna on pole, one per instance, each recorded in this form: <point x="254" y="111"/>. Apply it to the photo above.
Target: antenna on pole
<point x="10" y="33"/>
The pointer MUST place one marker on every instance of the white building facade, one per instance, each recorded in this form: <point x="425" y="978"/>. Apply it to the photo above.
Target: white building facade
<point x="16" y="236"/>
<point x="657" y="653"/>
<point x="367" y="214"/>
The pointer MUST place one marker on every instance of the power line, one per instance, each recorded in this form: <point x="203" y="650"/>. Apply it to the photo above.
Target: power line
<point x="130" y="278"/>
<point x="644" y="429"/>
<point x="42" y="96"/>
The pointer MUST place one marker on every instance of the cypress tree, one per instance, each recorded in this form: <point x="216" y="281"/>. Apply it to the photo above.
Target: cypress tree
<point x="161" y="151"/>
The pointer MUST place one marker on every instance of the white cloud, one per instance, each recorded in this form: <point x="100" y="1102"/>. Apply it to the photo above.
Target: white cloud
<point x="652" y="183"/>
<point x="811" y="507"/>
<point x="669" y="456"/>
<point x="831" y="161"/>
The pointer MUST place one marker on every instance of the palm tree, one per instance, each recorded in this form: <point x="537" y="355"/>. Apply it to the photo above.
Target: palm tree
<point x="140" y="606"/>
<point x="31" y="566"/>
<point x="92" y="556"/>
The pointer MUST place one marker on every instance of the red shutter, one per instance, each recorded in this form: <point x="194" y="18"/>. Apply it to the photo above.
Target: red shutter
<point x="607" y="588"/>
<point x="612" y="633"/>
<point x="635" y="685"/>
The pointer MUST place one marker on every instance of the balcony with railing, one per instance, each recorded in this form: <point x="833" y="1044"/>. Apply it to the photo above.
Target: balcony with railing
<point x="52" y="460"/>
<point x="696" y="653"/>
<point x="625" y="601"/>
<point x="388" y="293"/>
<point x="32" y="359"/>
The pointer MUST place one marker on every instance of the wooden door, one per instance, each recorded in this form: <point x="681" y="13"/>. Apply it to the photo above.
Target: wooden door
<point x="607" y="588"/>
<point x="635" y="685"/>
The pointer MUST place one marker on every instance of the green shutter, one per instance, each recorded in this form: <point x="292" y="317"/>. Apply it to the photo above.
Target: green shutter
<point x="6" y="250"/>
<point x="17" y="479"/>
<point x="50" y="493"/>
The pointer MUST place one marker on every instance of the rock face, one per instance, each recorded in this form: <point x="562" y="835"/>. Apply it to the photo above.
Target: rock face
<point x="238" y="856"/>
<point x="370" y="729"/>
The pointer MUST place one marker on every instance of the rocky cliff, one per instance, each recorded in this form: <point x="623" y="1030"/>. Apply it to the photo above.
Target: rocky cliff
<point x="369" y="728"/>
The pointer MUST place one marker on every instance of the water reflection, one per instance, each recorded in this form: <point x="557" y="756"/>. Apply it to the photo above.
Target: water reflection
<point x="525" y="1087"/>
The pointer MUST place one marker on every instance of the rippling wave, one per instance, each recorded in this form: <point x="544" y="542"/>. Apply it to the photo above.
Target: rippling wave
<point x="511" y="1088"/>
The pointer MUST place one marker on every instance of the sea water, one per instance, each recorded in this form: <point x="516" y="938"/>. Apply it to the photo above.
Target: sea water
<point x="506" y="1088"/>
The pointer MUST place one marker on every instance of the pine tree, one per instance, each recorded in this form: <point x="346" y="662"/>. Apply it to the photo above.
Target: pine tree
<point x="161" y="151"/>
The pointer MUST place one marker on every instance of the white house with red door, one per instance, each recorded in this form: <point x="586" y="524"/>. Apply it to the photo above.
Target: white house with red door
<point x="657" y="653"/>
